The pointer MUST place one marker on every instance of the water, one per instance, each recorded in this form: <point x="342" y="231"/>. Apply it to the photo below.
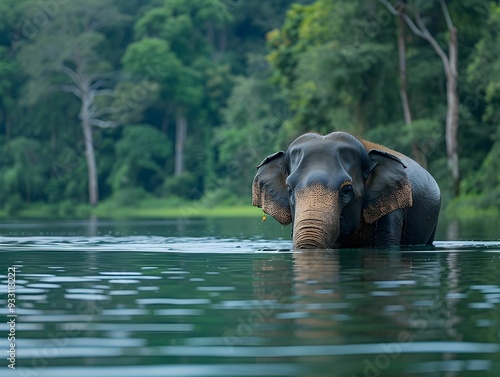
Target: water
<point x="229" y="298"/>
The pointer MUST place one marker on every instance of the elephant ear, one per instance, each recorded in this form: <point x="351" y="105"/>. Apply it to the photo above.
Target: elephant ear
<point x="387" y="187"/>
<point x="269" y="190"/>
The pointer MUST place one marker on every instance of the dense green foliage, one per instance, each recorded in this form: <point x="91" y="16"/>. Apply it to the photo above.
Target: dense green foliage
<point x="187" y="97"/>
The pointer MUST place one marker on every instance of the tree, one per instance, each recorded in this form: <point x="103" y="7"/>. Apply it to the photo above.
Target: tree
<point x="195" y="76"/>
<point x="450" y="64"/>
<point x="8" y="76"/>
<point x="67" y="56"/>
<point x="251" y="130"/>
<point x="24" y="174"/>
<point x="11" y="78"/>
<point x="403" y="91"/>
<point x="484" y="69"/>
<point x="482" y="187"/>
<point x="174" y="38"/>
<point x="140" y="158"/>
<point x="333" y="71"/>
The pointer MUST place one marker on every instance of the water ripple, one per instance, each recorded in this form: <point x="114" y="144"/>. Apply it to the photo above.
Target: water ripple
<point x="194" y="244"/>
<point x="328" y="350"/>
<point x="198" y="370"/>
<point x="142" y="243"/>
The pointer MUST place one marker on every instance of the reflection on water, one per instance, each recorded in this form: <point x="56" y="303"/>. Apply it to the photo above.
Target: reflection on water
<point x="227" y="303"/>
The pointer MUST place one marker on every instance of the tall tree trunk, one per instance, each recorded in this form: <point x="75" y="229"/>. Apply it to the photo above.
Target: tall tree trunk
<point x="53" y="140"/>
<point x="8" y="127"/>
<point x="452" y="112"/>
<point x="180" y="140"/>
<point x="450" y="61"/>
<point x="402" y="71"/>
<point x="89" y="151"/>
<point x="403" y="92"/>
<point x="223" y="40"/>
<point x="210" y="30"/>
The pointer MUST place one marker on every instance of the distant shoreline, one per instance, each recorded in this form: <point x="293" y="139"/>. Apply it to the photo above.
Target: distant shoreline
<point x="106" y="211"/>
<point x="164" y="208"/>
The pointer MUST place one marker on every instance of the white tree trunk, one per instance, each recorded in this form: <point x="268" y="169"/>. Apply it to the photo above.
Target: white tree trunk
<point x="89" y="151"/>
<point x="452" y="112"/>
<point x="416" y="153"/>
<point x="450" y="68"/>
<point x="180" y="140"/>
<point x="402" y="71"/>
<point x="450" y="63"/>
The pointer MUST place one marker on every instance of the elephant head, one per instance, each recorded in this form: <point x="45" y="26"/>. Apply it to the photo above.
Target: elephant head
<point x="330" y="187"/>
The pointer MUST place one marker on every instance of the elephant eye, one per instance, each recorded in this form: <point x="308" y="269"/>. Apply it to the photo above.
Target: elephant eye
<point x="346" y="192"/>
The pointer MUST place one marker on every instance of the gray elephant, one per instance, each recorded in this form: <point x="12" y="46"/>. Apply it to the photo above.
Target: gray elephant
<point x="340" y="191"/>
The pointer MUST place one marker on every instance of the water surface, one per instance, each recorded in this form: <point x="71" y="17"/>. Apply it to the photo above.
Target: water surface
<point x="195" y="297"/>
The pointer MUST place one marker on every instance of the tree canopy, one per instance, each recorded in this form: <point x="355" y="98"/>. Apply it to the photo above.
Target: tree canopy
<point x="179" y="100"/>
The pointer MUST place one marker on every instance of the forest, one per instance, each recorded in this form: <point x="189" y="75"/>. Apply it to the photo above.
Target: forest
<point x="108" y="104"/>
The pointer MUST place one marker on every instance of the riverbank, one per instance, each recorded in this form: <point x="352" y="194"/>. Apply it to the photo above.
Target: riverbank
<point x="152" y="209"/>
<point x="163" y="208"/>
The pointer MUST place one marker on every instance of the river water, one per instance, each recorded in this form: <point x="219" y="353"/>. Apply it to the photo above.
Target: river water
<point x="227" y="297"/>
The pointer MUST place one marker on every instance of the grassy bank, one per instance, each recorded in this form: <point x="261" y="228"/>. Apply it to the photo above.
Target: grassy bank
<point x="189" y="210"/>
<point x="152" y="209"/>
<point x="471" y="208"/>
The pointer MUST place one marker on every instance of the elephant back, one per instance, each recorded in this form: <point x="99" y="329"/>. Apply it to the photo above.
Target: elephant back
<point x="423" y="215"/>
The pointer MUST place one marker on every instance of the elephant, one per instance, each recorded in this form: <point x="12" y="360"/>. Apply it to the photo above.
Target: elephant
<point x="343" y="192"/>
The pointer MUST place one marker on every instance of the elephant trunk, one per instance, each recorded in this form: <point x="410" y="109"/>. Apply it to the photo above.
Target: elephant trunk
<point x="316" y="223"/>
